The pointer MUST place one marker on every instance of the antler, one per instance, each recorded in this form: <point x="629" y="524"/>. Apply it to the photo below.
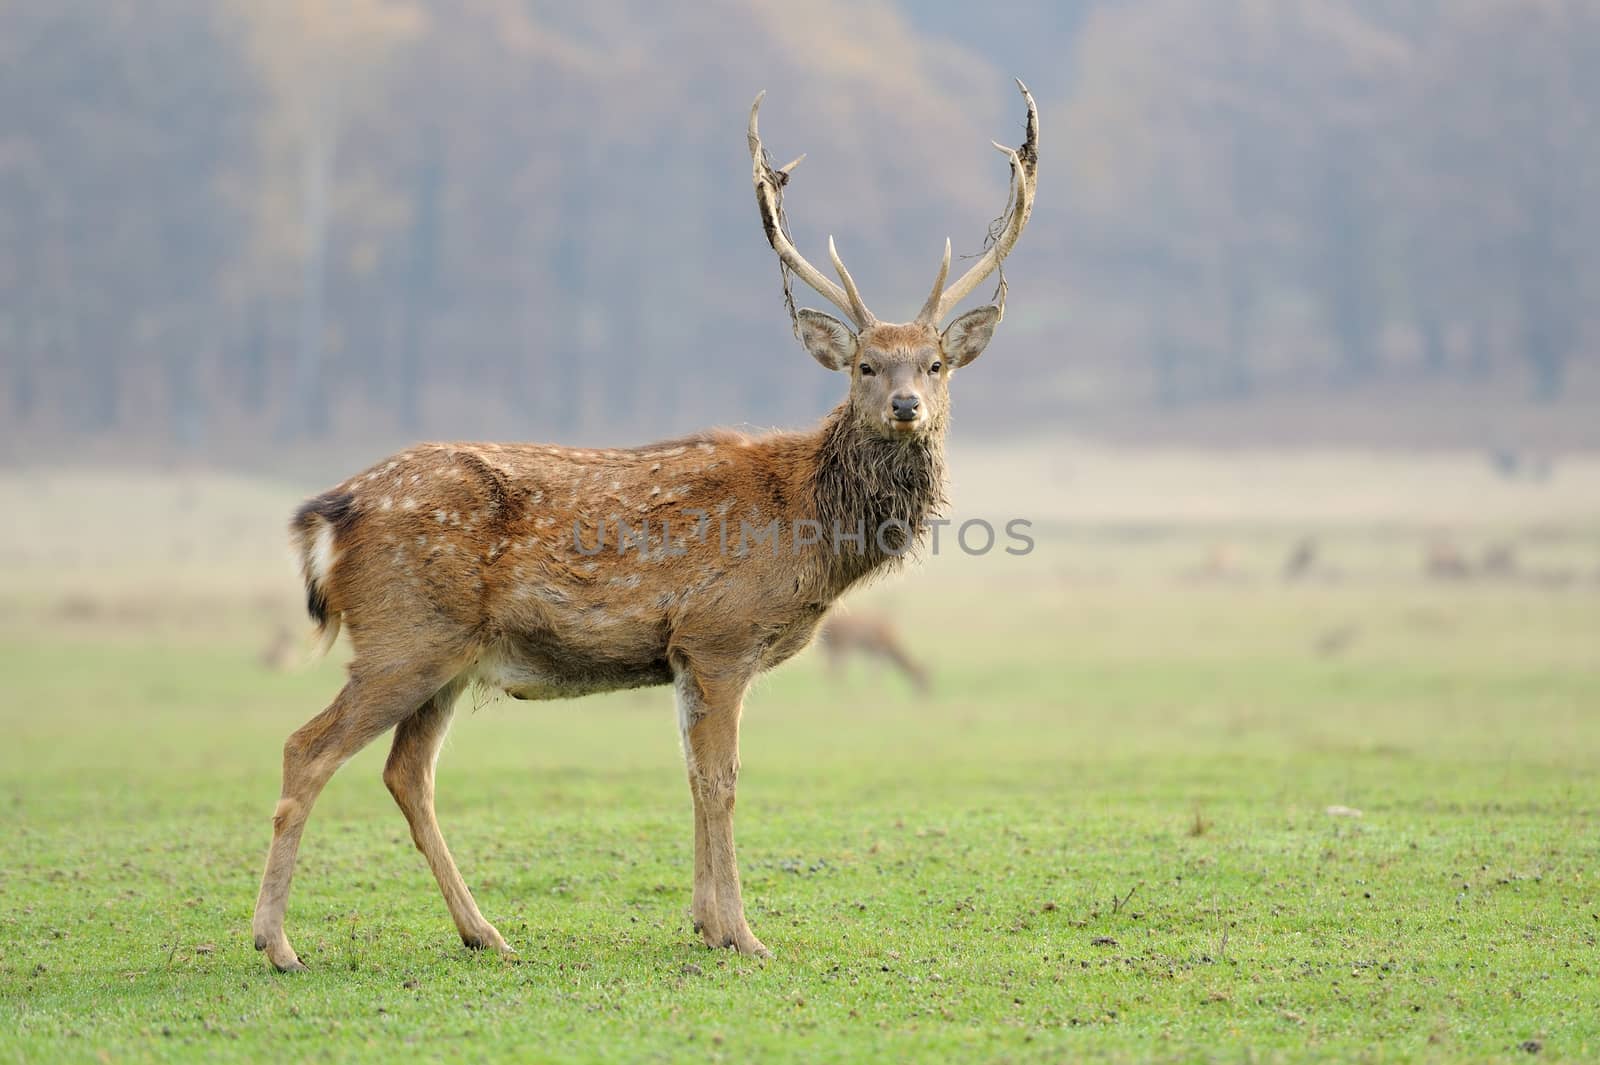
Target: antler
<point x="1024" y="176"/>
<point x="769" y="182"/>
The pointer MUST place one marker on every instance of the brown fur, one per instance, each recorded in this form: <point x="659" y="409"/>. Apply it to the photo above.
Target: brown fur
<point x="455" y="563"/>
<point x="452" y="564"/>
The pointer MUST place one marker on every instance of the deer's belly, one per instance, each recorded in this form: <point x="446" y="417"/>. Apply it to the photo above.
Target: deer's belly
<point x="536" y="666"/>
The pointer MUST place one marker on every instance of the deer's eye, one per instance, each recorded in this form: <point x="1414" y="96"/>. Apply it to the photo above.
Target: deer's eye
<point x="867" y="371"/>
<point x="934" y="368"/>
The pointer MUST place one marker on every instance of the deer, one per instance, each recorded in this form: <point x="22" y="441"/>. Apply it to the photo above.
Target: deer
<point x="488" y="564"/>
<point x="870" y="635"/>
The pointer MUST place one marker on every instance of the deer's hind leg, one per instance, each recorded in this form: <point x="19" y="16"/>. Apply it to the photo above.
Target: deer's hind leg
<point x="409" y="776"/>
<point x="372" y="701"/>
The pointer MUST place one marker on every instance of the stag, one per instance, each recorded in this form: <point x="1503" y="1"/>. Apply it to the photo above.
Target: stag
<point x="454" y="564"/>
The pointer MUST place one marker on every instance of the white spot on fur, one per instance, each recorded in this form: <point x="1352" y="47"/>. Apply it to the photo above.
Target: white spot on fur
<point x="440" y="516"/>
<point x="408" y="503"/>
<point x="386" y="503"/>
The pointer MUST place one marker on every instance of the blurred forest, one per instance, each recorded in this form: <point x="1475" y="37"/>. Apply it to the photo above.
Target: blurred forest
<point x="231" y="228"/>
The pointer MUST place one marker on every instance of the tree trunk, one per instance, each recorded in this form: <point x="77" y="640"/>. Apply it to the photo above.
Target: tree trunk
<point x="308" y="404"/>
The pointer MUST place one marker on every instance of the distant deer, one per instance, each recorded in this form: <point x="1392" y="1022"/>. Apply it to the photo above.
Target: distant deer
<point x="1443" y="560"/>
<point x="281" y="651"/>
<point x="454" y="563"/>
<point x="870" y="636"/>
<point x="1302" y="559"/>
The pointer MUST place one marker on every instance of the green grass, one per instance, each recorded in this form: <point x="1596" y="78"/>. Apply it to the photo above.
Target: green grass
<point x="1105" y="838"/>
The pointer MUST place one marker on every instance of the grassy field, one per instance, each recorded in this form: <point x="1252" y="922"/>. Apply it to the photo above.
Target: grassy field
<point x="1123" y="827"/>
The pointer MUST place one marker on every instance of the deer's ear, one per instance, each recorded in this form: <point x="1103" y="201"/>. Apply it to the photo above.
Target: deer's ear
<point x="965" y="338"/>
<point x="829" y="340"/>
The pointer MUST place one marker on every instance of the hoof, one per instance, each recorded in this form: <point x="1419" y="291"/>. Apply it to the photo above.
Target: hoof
<point x="487" y="940"/>
<point x="279" y="953"/>
<point x="741" y="939"/>
<point x="753" y="948"/>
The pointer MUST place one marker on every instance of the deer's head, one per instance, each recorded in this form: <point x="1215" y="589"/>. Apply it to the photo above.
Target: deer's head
<point x="899" y="373"/>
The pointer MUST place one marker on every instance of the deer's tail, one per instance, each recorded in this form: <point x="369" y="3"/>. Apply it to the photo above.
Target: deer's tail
<point x="316" y="530"/>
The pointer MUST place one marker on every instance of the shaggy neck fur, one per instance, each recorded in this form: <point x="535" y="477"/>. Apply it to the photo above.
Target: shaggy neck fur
<point x="867" y="482"/>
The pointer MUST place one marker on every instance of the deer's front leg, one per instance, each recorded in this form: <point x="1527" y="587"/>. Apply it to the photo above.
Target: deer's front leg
<point x="709" y="716"/>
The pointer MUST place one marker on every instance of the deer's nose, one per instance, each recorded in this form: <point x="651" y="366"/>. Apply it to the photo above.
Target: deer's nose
<point x="904" y="405"/>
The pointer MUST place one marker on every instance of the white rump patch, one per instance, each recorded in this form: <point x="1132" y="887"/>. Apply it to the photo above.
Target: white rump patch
<point x="322" y="556"/>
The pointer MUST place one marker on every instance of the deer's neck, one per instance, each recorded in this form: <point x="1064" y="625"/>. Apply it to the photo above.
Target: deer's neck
<point x="884" y="489"/>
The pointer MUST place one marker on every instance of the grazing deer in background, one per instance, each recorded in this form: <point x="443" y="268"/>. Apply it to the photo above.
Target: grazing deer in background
<point x="870" y="636"/>
<point x="281" y="652"/>
<point x="455" y="563"/>
<point x="1302" y="559"/>
<point x="1443" y="560"/>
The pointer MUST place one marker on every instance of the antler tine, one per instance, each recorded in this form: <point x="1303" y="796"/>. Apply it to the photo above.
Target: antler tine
<point x="768" y="182"/>
<point x="929" y="315"/>
<point x="1024" y="178"/>
<point x="858" y="308"/>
